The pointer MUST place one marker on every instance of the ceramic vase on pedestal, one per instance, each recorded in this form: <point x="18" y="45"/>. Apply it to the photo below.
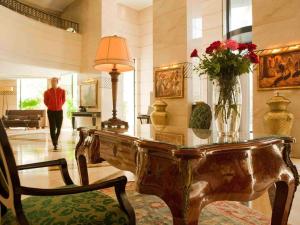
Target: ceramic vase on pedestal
<point x="159" y="117"/>
<point x="227" y="107"/>
<point x="200" y="120"/>
<point x="278" y="121"/>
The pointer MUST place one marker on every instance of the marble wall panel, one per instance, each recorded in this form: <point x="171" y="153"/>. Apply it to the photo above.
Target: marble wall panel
<point x="275" y="24"/>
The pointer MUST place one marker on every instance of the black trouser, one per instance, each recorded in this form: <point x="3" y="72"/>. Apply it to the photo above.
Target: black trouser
<point x="55" y="122"/>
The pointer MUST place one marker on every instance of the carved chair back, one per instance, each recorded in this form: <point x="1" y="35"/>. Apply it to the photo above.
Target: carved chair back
<point x="9" y="178"/>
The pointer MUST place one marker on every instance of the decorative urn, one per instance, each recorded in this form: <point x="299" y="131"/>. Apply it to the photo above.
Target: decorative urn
<point x="200" y="120"/>
<point x="201" y="116"/>
<point x="159" y="117"/>
<point x="278" y="120"/>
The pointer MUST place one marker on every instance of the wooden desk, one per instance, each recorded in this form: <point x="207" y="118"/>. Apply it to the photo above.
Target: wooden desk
<point x="94" y="116"/>
<point x="196" y="172"/>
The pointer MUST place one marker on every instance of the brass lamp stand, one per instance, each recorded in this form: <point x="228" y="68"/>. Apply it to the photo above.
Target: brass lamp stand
<point x="113" y="57"/>
<point x="114" y="122"/>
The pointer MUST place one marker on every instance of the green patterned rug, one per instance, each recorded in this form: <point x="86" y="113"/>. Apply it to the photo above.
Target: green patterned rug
<point x="152" y="210"/>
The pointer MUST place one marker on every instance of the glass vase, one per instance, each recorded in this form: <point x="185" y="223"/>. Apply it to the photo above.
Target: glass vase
<point x="227" y="106"/>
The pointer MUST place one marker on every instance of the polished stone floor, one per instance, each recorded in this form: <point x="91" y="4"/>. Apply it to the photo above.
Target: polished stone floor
<point x="35" y="146"/>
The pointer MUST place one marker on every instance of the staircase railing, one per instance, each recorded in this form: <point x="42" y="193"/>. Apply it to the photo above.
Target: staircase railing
<point x="40" y="15"/>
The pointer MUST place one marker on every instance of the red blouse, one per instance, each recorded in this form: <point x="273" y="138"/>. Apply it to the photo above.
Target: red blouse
<point x="54" y="99"/>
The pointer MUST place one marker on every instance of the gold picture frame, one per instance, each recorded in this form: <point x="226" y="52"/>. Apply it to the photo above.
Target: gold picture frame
<point x="169" y="82"/>
<point x="89" y="94"/>
<point x="279" y="68"/>
<point x="170" y="138"/>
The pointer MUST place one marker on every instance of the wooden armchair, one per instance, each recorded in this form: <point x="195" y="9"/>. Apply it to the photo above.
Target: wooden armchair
<point x="70" y="204"/>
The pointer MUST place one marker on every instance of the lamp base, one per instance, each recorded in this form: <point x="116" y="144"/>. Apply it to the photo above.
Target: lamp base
<point x="114" y="123"/>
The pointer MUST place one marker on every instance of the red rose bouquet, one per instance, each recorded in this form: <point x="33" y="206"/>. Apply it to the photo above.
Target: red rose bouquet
<point x="227" y="57"/>
<point x="223" y="63"/>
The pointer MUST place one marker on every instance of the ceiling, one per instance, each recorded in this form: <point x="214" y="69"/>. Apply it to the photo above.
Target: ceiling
<point x="136" y="4"/>
<point x="50" y="5"/>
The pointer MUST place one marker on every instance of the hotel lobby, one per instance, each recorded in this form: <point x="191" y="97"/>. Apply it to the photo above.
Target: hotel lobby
<point x="147" y="112"/>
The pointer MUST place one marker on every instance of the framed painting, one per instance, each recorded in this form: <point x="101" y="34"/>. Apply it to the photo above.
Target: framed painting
<point x="170" y="138"/>
<point x="279" y="70"/>
<point x="169" y="82"/>
<point x="89" y="94"/>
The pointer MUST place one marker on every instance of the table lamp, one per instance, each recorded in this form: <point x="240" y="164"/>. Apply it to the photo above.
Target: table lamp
<point x="113" y="57"/>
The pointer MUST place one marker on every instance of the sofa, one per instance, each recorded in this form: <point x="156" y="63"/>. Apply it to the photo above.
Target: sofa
<point x="25" y="118"/>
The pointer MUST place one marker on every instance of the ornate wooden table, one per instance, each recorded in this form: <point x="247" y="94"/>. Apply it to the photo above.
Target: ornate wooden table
<point x="188" y="172"/>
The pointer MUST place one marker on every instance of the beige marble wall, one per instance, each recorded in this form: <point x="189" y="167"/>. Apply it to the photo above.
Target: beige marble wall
<point x="88" y="14"/>
<point x="32" y="43"/>
<point x="169" y="32"/>
<point x="170" y="47"/>
<point x="145" y="62"/>
<point x="8" y="101"/>
<point x="275" y="24"/>
<point x="212" y="29"/>
<point x="116" y="19"/>
<point x="173" y="43"/>
<point x="125" y="23"/>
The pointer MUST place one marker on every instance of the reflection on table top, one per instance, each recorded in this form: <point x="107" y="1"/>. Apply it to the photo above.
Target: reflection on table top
<point x="184" y="137"/>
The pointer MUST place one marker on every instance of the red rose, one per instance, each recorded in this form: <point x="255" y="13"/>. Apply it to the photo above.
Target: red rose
<point x="215" y="45"/>
<point x="194" y="53"/>
<point x="232" y="44"/>
<point x="252" y="57"/>
<point x="242" y="46"/>
<point x="251" y="47"/>
<point x="209" y="50"/>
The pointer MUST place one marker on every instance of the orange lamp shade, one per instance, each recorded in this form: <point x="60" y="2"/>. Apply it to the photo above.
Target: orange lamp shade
<point x="113" y="53"/>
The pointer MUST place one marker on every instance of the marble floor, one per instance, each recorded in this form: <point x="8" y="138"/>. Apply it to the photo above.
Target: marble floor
<point x="35" y="146"/>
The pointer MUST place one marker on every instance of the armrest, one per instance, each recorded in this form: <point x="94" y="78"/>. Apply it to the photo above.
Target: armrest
<point x="120" y="181"/>
<point x="62" y="163"/>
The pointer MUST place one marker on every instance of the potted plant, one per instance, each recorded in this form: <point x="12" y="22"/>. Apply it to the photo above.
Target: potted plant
<point x="224" y="62"/>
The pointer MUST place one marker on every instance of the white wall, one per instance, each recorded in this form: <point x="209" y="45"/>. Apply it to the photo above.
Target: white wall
<point x="29" y="42"/>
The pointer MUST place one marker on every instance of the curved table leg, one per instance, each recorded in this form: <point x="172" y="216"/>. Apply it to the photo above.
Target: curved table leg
<point x="183" y="216"/>
<point x="282" y="203"/>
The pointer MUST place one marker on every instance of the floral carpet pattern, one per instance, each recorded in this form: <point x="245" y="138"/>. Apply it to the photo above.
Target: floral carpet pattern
<point x="152" y="210"/>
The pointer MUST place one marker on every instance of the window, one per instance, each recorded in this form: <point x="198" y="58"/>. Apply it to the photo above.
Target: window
<point x="240" y="14"/>
<point x="30" y="93"/>
<point x="68" y="83"/>
<point x="239" y="28"/>
<point x="197" y="28"/>
<point x="128" y="103"/>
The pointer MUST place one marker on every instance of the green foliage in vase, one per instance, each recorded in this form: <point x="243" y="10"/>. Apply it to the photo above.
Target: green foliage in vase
<point x="30" y="103"/>
<point x="223" y="63"/>
<point x="70" y="107"/>
<point x="201" y="116"/>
